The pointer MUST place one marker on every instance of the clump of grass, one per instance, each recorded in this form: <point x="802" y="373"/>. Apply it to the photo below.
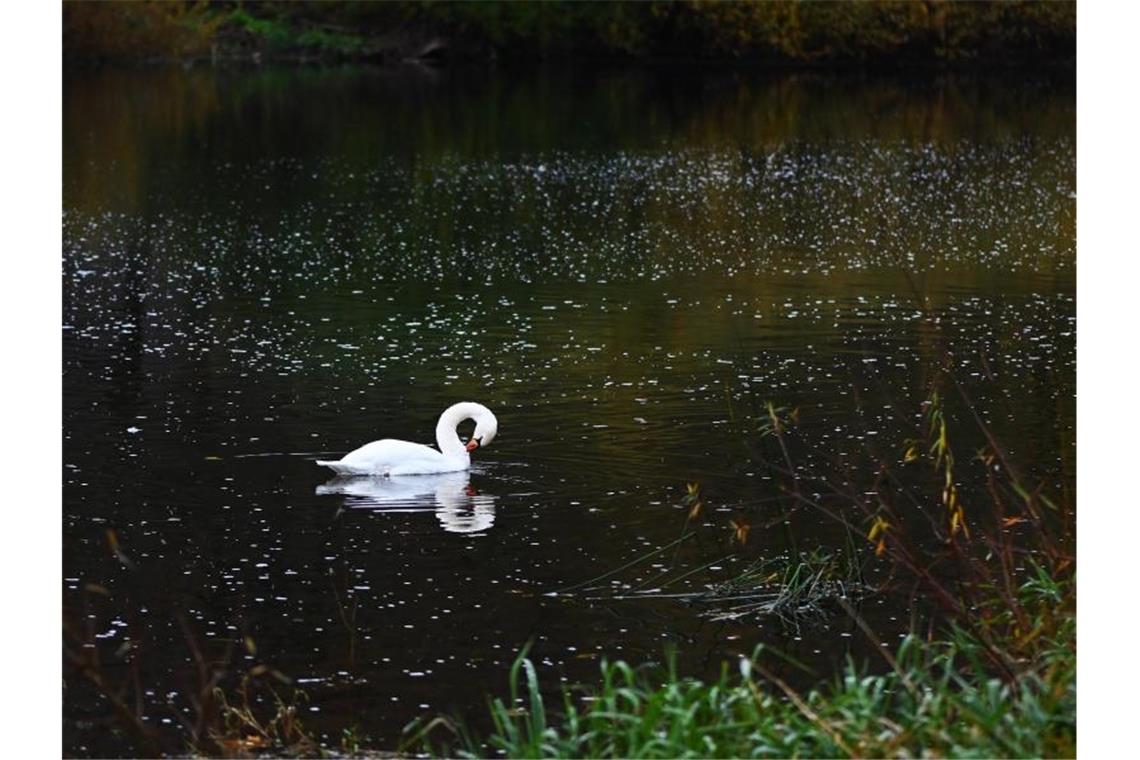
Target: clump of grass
<point x="242" y="731"/>
<point x="812" y="586"/>
<point x="938" y="698"/>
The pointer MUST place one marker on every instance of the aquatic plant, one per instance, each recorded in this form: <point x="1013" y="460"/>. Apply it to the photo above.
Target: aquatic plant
<point x="807" y="588"/>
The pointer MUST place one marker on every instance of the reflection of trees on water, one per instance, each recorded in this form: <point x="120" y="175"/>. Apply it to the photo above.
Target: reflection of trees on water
<point x="123" y="130"/>
<point x="457" y="506"/>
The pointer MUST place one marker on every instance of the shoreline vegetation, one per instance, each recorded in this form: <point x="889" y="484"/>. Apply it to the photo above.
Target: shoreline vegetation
<point x="777" y="34"/>
<point x="937" y="699"/>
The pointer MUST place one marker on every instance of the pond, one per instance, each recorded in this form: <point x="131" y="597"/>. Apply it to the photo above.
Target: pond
<point x="264" y="267"/>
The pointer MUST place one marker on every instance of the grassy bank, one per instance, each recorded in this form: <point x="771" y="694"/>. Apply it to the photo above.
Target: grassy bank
<point x="776" y="32"/>
<point x="938" y="698"/>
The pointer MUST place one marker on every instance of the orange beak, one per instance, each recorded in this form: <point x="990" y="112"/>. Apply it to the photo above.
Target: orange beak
<point x="472" y="445"/>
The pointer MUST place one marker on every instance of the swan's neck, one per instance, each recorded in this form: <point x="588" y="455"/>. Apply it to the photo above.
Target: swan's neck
<point x="445" y="433"/>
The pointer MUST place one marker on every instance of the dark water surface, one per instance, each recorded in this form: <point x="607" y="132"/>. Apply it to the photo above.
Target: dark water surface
<point x="266" y="267"/>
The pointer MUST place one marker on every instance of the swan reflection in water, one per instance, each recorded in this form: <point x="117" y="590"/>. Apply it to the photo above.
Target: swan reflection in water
<point x="456" y="504"/>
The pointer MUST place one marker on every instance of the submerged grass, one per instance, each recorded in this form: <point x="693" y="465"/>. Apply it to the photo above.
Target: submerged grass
<point x="810" y="587"/>
<point x="939" y="698"/>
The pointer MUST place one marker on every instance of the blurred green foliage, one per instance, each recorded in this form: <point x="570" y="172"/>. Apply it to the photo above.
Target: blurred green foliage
<point x="777" y="31"/>
<point x="139" y="30"/>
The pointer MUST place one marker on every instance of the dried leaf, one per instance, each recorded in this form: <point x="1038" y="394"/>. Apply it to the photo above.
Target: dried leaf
<point x="740" y="530"/>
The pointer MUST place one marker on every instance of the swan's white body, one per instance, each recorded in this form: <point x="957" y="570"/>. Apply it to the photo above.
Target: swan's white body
<point x="393" y="457"/>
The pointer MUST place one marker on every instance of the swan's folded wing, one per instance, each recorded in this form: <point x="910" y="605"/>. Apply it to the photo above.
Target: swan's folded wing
<point x="337" y="467"/>
<point x="392" y="457"/>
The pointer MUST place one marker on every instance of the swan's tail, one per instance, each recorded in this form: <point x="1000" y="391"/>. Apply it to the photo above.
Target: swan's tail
<point x="336" y="466"/>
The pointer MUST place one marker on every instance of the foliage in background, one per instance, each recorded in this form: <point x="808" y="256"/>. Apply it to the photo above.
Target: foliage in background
<point x="774" y="31"/>
<point x="141" y="30"/>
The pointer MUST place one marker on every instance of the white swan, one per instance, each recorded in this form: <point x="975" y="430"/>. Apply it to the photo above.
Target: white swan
<point x="392" y="457"/>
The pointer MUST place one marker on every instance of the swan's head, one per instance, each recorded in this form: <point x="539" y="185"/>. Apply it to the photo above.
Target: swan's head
<point x="486" y="427"/>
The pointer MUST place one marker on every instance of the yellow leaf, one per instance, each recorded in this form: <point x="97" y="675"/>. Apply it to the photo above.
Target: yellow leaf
<point x="958" y="522"/>
<point x="740" y="530"/>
